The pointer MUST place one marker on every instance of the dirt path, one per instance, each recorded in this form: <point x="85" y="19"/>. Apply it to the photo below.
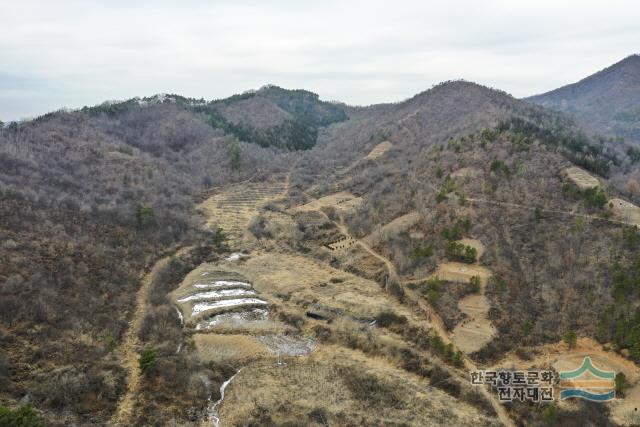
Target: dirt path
<point x="553" y="211"/>
<point x="435" y="321"/>
<point x="129" y="348"/>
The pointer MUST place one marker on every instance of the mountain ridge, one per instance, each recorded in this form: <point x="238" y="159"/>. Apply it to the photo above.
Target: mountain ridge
<point x="607" y="102"/>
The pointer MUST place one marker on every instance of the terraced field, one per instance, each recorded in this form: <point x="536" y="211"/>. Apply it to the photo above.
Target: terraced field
<point x="342" y="202"/>
<point x="234" y="206"/>
<point x="393" y="228"/>
<point x="559" y="356"/>
<point x="582" y="178"/>
<point x="379" y="150"/>
<point x="207" y="298"/>
<point x="625" y="211"/>
<point x="476" y="329"/>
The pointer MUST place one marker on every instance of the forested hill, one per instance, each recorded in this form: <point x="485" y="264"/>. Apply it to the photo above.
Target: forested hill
<point x="607" y="102"/>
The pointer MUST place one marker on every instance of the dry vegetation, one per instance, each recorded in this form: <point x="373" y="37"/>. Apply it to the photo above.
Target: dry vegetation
<point x="368" y="257"/>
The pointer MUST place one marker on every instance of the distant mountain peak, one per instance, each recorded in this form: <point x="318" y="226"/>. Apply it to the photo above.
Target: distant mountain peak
<point x="606" y="102"/>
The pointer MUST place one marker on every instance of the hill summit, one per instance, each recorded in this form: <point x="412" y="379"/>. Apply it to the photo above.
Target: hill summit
<point x="607" y="101"/>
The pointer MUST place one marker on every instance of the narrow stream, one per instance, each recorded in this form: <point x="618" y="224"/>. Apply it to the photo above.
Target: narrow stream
<point x="180" y="316"/>
<point x="212" y="410"/>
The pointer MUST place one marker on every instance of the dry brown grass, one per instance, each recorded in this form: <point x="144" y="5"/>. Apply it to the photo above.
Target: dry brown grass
<point x="293" y="390"/>
<point x="474" y="332"/>
<point x="461" y="272"/>
<point x="393" y="228"/>
<point x="234" y="206"/>
<point x="310" y="281"/>
<point x="236" y="350"/>
<point x="343" y="202"/>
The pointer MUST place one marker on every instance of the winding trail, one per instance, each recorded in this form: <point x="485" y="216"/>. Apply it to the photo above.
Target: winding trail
<point x="434" y="318"/>
<point x="129" y="348"/>
<point x="552" y="211"/>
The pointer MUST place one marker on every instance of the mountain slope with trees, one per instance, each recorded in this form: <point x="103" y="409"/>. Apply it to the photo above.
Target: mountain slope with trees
<point x="607" y="102"/>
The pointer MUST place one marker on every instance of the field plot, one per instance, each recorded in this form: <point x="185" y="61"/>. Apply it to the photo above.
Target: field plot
<point x="234" y="349"/>
<point x="476" y="330"/>
<point x="234" y="206"/>
<point x="331" y="383"/>
<point x="379" y="150"/>
<point x="625" y="211"/>
<point x="342" y="202"/>
<point x="625" y="411"/>
<point x="582" y="178"/>
<point x="393" y="228"/>
<point x="461" y="272"/>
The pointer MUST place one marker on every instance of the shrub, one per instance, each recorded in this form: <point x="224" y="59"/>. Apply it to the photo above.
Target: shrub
<point x="387" y="318"/>
<point x="456" y="231"/>
<point x="621" y="383"/>
<point x="369" y="388"/>
<point x="460" y="252"/>
<point x="571" y="338"/>
<point x="233" y="150"/>
<point x="145" y="216"/>
<point x="24" y="416"/>
<point x="148" y="360"/>
<point x="292" y="319"/>
<point x="475" y="284"/>
<point x="320" y="416"/>
<point x="421" y="252"/>
<point x="442" y="379"/>
<point x="432" y="289"/>
<point x="396" y="290"/>
<point x="220" y="237"/>
<point x="498" y="166"/>
<point x="488" y="135"/>
<point x="595" y="197"/>
<point x="550" y="414"/>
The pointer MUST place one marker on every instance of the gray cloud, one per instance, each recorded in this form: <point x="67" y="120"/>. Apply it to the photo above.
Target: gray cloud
<point x="71" y="53"/>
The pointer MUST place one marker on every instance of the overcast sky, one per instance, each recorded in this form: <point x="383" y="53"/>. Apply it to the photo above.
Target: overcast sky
<point x="68" y="53"/>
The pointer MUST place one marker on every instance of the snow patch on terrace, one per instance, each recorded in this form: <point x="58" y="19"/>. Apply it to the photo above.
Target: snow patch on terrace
<point x="223" y="284"/>
<point x="236" y="256"/>
<point x="212" y="305"/>
<point x="255" y="315"/>
<point x="218" y="294"/>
